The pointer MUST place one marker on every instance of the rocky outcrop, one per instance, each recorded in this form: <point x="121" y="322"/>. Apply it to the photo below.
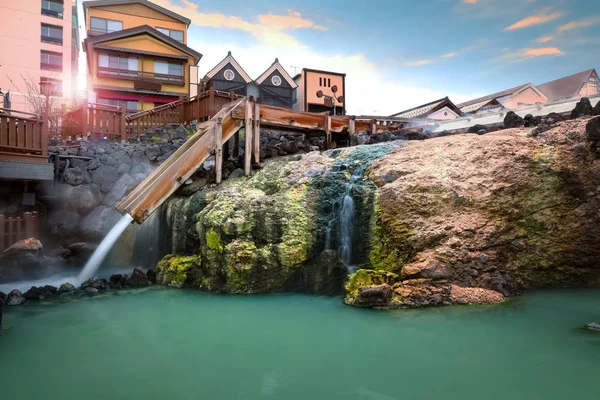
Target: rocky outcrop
<point x="582" y="108"/>
<point x="23" y="259"/>
<point x="512" y="120"/>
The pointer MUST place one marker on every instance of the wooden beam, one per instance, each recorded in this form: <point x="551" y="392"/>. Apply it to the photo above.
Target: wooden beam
<point x="218" y="150"/>
<point x="248" y="137"/>
<point x="327" y="132"/>
<point x="351" y="128"/>
<point x="256" y="133"/>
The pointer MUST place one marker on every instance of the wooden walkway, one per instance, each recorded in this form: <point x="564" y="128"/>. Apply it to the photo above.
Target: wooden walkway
<point x="212" y="137"/>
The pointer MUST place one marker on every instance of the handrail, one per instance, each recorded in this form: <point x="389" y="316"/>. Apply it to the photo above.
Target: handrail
<point x="12" y="111"/>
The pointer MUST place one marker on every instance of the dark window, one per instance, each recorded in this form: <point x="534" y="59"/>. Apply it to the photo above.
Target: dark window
<point x="320" y="81"/>
<point x="328" y="82"/>
<point x="128" y="104"/>
<point x="56" y="88"/>
<point x="102" y="25"/>
<point x="52" y="33"/>
<point x="173" y="33"/>
<point x="168" y="71"/>
<point x="51" y="60"/>
<point x="53" y="8"/>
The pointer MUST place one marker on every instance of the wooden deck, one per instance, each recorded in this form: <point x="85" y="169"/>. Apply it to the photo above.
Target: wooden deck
<point x="23" y="137"/>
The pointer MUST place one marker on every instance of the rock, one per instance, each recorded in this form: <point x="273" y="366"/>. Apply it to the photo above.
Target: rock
<point x="22" y="259"/>
<point x="553" y="118"/>
<point x="512" y="120"/>
<point x="76" y="176"/>
<point x="15" y="298"/>
<point x="118" y="281"/>
<point x="326" y="275"/>
<point x="119" y="190"/>
<point x="540" y="129"/>
<point x="63" y="223"/>
<point x="476" y="128"/>
<point x="66" y="288"/>
<point x="582" y="108"/>
<point x="91" y="291"/>
<point x="193" y="187"/>
<point x="427" y="269"/>
<point x="592" y="326"/>
<point x="153" y="152"/>
<point x="105" y="176"/>
<point x="82" y="199"/>
<point x="482" y="131"/>
<point x="527" y="117"/>
<point x="138" y="278"/>
<point x="151" y="276"/>
<point x="596" y="110"/>
<point x="592" y="129"/>
<point x="236" y="173"/>
<point x="99" y="222"/>
<point x="33" y="293"/>
<point x="174" y="270"/>
<point x="467" y="295"/>
<point x="373" y="296"/>
<point x="94" y="282"/>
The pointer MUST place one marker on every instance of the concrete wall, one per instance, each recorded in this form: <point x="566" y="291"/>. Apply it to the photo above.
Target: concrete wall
<point x="20" y="46"/>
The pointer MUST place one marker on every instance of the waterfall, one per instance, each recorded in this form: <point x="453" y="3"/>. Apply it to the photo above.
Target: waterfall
<point x="346" y="221"/>
<point x="104" y="248"/>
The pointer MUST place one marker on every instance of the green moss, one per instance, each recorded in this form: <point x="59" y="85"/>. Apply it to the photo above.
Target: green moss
<point x="213" y="240"/>
<point x="173" y="270"/>
<point x="367" y="277"/>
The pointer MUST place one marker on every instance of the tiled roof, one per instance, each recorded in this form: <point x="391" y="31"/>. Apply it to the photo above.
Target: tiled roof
<point x="472" y="108"/>
<point x="134" y="51"/>
<point x="140" y="91"/>
<point x="282" y="71"/>
<point x="567" y="87"/>
<point x="426" y="109"/>
<point x="228" y="60"/>
<point x="492" y="96"/>
<point x="100" y="3"/>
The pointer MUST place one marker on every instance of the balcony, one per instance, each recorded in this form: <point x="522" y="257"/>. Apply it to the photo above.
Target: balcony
<point x="141" y="76"/>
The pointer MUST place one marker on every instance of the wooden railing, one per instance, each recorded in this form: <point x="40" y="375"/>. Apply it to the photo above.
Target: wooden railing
<point x="13" y="229"/>
<point x="96" y="120"/>
<point x="201" y="107"/>
<point x="105" y="72"/>
<point x="23" y="136"/>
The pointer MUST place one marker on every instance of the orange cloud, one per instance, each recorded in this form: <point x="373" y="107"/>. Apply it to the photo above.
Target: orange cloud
<point x="527" y="53"/>
<point x="270" y="29"/>
<point x="544" y="39"/>
<point x="470" y="1"/>
<point x="579" y="24"/>
<point x="539" y="19"/>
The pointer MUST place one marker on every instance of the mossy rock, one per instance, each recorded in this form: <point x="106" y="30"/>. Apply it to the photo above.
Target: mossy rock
<point x="367" y="277"/>
<point x="173" y="270"/>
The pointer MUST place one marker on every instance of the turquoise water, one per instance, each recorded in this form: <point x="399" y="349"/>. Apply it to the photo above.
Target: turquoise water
<point x="171" y="344"/>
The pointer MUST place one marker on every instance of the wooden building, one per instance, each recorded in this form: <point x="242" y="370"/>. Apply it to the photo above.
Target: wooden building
<point x="276" y="87"/>
<point x="228" y="76"/>
<point x="311" y="81"/>
<point x="582" y="84"/>
<point x="442" y="109"/>
<point x="512" y="99"/>
<point x="136" y="54"/>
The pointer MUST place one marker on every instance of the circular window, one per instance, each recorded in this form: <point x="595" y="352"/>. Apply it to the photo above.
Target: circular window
<point x="276" y="80"/>
<point x="445" y="113"/>
<point x="228" y="74"/>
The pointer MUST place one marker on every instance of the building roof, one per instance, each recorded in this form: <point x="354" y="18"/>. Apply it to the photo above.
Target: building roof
<point x="427" y="109"/>
<point x="142" y="52"/>
<point x="320" y="72"/>
<point x="140" y="30"/>
<point x="492" y="96"/>
<point x="473" y="108"/>
<point x="100" y="3"/>
<point x="132" y="90"/>
<point x="282" y="71"/>
<point x="228" y="60"/>
<point x="567" y="87"/>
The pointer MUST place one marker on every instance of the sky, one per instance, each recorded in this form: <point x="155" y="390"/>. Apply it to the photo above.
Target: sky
<point x="400" y="54"/>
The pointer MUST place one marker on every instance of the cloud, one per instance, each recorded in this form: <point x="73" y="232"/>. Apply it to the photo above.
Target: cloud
<point x="418" y="63"/>
<point x="449" y="55"/>
<point x="527" y="53"/>
<point x="539" y="19"/>
<point x="471" y="1"/>
<point x="544" y="39"/>
<point x="270" y="29"/>
<point x="579" y="24"/>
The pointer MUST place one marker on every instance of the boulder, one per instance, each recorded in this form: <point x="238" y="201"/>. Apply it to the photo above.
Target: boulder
<point x="476" y="128"/>
<point x="592" y="130"/>
<point x="326" y="275"/>
<point x="138" y="278"/>
<point x="66" y="288"/>
<point x="151" y="275"/>
<point x="592" y="326"/>
<point x="374" y="296"/>
<point x="552" y="118"/>
<point x="99" y="222"/>
<point x="596" y="110"/>
<point x="82" y="199"/>
<point x="33" y="293"/>
<point x="76" y="176"/>
<point x="153" y="152"/>
<point x="91" y="290"/>
<point x="119" y="190"/>
<point x="78" y="253"/>
<point x="63" y="223"/>
<point x="118" y="281"/>
<point x="582" y="108"/>
<point x="96" y="283"/>
<point x="512" y="120"/>
<point x="15" y="298"/>
<point x="23" y="259"/>
<point x="105" y="176"/>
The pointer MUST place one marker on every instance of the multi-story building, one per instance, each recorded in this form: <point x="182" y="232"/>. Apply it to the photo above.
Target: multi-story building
<point x="38" y="43"/>
<point x="137" y="54"/>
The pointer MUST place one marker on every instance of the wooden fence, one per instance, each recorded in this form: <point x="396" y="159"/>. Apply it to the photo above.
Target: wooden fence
<point x="13" y="229"/>
<point x="23" y="136"/>
<point x="201" y="107"/>
<point x="96" y="120"/>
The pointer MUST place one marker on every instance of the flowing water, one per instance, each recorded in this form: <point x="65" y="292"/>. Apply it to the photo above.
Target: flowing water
<point x="173" y="344"/>
<point x="104" y="248"/>
<point x="347" y="218"/>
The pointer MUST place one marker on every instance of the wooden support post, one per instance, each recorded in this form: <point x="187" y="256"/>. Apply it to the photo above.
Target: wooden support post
<point x="256" y="132"/>
<point x="44" y="133"/>
<point x="327" y="132"/>
<point x="248" y="136"/>
<point x="2" y="233"/>
<point x="28" y="225"/>
<point x="123" y="124"/>
<point x="211" y="103"/>
<point x="351" y="127"/>
<point x="374" y="127"/>
<point x="226" y="150"/>
<point x="236" y="145"/>
<point x="218" y="150"/>
<point x="182" y="116"/>
<point x="84" y="120"/>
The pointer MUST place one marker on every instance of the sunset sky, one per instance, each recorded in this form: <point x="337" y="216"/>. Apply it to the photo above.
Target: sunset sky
<point x="399" y="54"/>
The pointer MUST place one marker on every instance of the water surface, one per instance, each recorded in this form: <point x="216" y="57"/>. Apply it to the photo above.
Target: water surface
<point x="171" y="344"/>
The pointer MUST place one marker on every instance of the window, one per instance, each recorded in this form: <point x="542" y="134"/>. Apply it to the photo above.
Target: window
<point x="328" y="82"/>
<point x="130" y="106"/>
<point x="53" y="8"/>
<point x="320" y="81"/>
<point x="117" y="62"/>
<point x="52" y="33"/>
<point x="166" y="68"/>
<point x="173" y="33"/>
<point x="56" y="88"/>
<point x="51" y="60"/>
<point x="591" y="87"/>
<point x="102" y="25"/>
